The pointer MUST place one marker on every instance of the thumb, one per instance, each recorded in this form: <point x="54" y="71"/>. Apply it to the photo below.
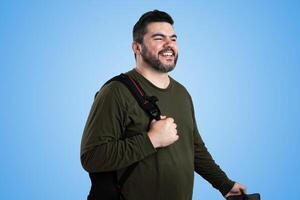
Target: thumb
<point x="153" y="121"/>
<point x="163" y="117"/>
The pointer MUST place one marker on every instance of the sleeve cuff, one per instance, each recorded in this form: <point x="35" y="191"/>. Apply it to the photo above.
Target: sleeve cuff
<point x="146" y="146"/>
<point x="226" y="187"/>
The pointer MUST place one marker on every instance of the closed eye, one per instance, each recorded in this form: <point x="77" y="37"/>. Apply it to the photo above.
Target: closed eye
<point x="159" y="36"/>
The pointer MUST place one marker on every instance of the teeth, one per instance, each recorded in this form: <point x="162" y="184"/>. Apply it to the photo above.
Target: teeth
<point x="168" y="53"/>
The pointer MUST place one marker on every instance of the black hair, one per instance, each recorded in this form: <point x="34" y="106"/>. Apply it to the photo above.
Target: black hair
<point x="139" y="28"/>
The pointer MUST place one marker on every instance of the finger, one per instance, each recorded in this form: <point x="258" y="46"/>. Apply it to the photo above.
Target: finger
<point x="176" y="137"/>
<point x="153" y="121"/>
<point x="170" y="119"/>
<point x="175" y="132"/>
<point x="243" y="189"/>
<point x="174" y="125"/>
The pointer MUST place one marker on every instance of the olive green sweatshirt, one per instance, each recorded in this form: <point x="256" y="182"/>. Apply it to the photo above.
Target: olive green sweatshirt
<point x="115" y="136"/>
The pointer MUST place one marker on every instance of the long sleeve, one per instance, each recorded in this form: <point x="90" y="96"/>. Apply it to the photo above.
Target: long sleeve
<point x="206" y="167"/>
<point x="103" y="145"/>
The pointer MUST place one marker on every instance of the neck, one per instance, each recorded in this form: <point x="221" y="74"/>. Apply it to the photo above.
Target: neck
<point x="159" y="79"/>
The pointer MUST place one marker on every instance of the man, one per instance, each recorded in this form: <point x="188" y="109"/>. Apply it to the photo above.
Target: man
<point x="168" y="151"/>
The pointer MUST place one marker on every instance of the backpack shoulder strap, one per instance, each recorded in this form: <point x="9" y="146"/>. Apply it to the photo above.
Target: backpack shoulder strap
<point x="147" y="103"/>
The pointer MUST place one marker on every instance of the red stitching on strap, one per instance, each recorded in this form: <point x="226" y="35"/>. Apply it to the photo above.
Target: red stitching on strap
<point x="137" y="87"/>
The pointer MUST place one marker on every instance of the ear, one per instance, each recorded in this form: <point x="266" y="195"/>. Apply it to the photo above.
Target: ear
<point x="136" y="47"/>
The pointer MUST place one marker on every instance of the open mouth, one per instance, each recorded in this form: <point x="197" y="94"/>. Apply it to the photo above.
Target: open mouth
<point x="167" y="53"/>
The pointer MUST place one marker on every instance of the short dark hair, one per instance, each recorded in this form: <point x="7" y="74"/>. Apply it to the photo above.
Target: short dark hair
<point x="139" y="28"/>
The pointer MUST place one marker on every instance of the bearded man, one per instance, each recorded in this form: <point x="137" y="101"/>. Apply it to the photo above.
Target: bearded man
<point x="165" y="152"/>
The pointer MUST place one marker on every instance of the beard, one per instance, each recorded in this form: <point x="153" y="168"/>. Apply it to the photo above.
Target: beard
<point x="154" y="61"/>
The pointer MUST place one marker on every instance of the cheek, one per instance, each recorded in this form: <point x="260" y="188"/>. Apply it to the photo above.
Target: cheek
<point x="176" y="49"/>
<point x="155" y="50"/>
<point x="156" y="46"/>
<point x="175" y="46"/>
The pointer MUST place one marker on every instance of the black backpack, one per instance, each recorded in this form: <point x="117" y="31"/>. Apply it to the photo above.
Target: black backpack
<point x="105" y="185"/>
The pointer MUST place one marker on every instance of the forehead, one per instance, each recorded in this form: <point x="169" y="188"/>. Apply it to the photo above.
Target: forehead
<point x="159" y="27"/>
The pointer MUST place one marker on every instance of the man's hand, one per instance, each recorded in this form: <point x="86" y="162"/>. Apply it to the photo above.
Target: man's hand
<point x="237" y="189"/>
<point x="163" y="132"/>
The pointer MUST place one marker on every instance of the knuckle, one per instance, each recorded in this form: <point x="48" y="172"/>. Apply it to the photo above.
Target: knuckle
<point x="170" y="119"/>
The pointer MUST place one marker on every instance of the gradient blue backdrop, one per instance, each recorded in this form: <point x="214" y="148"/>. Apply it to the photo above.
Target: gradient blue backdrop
<point x="239" y="60"/>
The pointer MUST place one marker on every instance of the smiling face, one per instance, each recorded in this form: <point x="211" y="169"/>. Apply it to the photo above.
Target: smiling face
<point x="159" y="49"/>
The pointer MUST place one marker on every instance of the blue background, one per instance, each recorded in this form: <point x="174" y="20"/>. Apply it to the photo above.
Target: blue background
<point x="239" y="60"/>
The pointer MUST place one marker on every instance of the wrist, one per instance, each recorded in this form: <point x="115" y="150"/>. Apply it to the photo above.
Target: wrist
<point x="153" y="140"/>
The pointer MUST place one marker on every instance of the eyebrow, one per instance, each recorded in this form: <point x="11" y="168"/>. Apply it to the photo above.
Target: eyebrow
<point x="162" y="35"/>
